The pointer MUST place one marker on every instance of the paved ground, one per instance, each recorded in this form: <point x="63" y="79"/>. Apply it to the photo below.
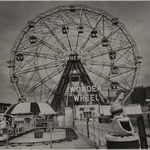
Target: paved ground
<point x="80" y="143"/>
<point x="30" y="138"/>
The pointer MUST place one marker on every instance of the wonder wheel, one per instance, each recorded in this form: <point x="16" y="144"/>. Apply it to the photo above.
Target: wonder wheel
<point x="70" y="45"/>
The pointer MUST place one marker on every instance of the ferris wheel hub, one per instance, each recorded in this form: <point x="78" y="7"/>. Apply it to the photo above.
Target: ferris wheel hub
<point x="73" y="56"/>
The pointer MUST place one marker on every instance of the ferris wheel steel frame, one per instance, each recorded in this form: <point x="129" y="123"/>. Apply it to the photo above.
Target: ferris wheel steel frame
<point x="107" y="54"/>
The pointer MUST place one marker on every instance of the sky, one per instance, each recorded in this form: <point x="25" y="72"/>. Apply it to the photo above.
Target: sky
<point x="14" y="15"/>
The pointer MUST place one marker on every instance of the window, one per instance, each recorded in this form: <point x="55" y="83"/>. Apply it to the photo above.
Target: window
<point x="91" y="108"/>
<point x="87" y="114"/>
<point x="81" y="109"/>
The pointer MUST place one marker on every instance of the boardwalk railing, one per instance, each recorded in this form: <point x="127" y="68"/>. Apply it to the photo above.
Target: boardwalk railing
<point x="94" y="131"/>
<point x="45" y="132"/>
<point x="48" y="131"/>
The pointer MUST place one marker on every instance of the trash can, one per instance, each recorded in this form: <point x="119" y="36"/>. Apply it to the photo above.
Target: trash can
<point x="38" y="134"/>
<point x="125" y="142"/>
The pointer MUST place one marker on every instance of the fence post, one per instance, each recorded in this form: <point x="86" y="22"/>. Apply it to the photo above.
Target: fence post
<point x="7" y="132"/>
<point x="94" y="132"/>
<point x="7" y="138"/>
<point x="87" y="127"/>
<point x="50" y="129"/>
<point x="148" y="118"/>
<point x="142" y="134"/>
<point x="98" y="134"/>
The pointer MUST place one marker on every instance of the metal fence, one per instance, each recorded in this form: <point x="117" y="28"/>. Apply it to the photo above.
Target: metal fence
<point x="145" y="132"/>
<point x="49" y="132"/>
<point x="146" y="123"/>
<point x="94" y="131"/>
<point x="45" y="132"/>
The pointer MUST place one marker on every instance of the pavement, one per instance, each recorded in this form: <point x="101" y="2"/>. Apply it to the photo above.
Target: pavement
<point x="57" y="134"/>
<point x="29" y="142"/>
<point x="58" y="137"/>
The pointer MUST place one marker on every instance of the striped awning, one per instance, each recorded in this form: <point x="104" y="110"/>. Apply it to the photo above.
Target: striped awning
<point x="30" y="108"/>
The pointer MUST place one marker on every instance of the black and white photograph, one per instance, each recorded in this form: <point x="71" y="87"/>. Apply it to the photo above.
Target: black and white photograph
<point x="74" y="74"/>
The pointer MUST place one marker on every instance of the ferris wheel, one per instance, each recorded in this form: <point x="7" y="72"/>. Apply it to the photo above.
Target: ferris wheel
<point x="103" y="48"/>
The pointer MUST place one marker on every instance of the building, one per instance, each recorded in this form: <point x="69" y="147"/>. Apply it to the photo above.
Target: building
<point x="4" y="106"/>
<point x="140" y="95"/>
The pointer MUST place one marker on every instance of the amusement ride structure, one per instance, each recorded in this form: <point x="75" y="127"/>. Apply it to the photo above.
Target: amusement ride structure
<point x="70" y="46"/>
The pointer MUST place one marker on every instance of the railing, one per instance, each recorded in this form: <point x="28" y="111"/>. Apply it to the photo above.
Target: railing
<point x="94" y="131"/>
<point x="146" y="123"/>
<point x="48" y="131"/>
<point x="42" y="132"/>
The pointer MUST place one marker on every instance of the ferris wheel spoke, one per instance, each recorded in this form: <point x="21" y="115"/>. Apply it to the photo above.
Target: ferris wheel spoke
<point x="42" y="55"/>
<point x="26" y="47"/>
<point x="108" y="64"/>
<point x="126" y="59"/>
<point x="43" y="42"/>
<point x="29" y="80"/>
<point x="19" y="66"/>
<point x="43" y="82"/>
<point x="121" y="73"/>
<point x="129" y="38"/>
<point x="48" y="77"/>
<point x="89" y="35"/>
<point x="91" y="47"/>
<point x="77" y="40"/>
<point x="122" y="57"/>
<point x="53" y="33"/>
<point x="40" y="67"/>
<point x="102" y="75"/>
<point x="87" y="20"/>
<point x="132" y="75"/>
<point x="70" y="17"/>
<point x="52" y="47"/>
<point x="56" y="23"/>
<point x="124" y="79"/>
<point x="105" y="52"/>
<point x="16" y="88"/>
<point x="22" y="82"/>
<point x="19" y="40"/>
<point x="62" y="16"/>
